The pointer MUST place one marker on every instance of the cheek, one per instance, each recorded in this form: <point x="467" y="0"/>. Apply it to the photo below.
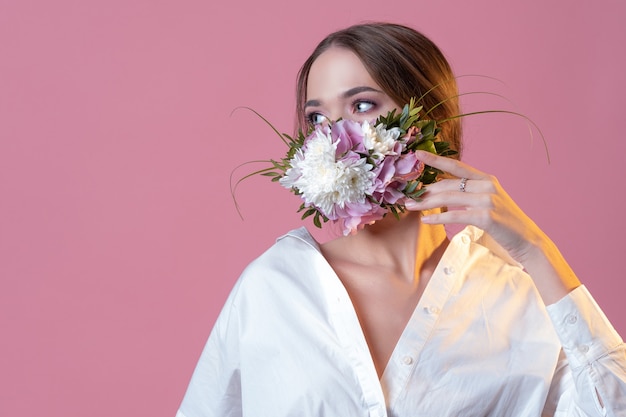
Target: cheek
<point x="385" y="109"/>
<point x="387" y="105"/>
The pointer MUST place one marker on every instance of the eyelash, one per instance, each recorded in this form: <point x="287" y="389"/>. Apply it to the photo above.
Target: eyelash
<point x="311" y="116"/>
<point x="369" y="102"/>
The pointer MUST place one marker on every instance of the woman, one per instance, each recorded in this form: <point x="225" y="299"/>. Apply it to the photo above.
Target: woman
<point x="398" y="320"/>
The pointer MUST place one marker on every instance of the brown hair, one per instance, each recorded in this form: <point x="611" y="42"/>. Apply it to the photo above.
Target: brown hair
<point x="404" y="63"/>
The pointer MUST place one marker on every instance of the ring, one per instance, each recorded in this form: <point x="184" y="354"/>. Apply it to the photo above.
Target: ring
<point x="462" y="185"/>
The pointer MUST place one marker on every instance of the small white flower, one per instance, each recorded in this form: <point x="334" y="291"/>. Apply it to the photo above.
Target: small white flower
<point x="379" y="140"/>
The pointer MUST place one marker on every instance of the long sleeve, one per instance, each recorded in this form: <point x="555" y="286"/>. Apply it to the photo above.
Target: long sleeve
<point x="215" y="387"/>
<point x="590" y="377"/>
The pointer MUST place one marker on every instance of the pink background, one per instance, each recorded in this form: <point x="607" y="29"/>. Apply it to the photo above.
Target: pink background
<point x="119" y="240"/>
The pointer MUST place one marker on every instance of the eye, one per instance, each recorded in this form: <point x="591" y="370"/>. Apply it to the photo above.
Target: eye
<point x="362" y="106"/>
<point x="316" y="118"/>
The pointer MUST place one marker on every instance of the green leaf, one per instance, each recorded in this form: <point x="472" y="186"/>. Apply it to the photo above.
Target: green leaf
<point x="316" y="220"/>
<point x="429" y="176"/>
<point x="411" y="186"/>
<point x="394" y="211"/>
<point x="449" y="152"/>
<point x="427" y="146"/>
<point x="441" y="146"/>
<point x="308" y="213"/>
<point x="428" y="129"/>
<point x="415" y="196"/>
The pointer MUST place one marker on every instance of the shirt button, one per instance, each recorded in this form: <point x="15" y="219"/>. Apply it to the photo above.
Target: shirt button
<point x="407" y="360"/>
<point x="381" y="412"/>
<point x="583" y="348"/>
<point x="571" y="319"/>
<point x="465" y="239"/>
<point x="448" y="270"/>
<point x="431" y="310"/>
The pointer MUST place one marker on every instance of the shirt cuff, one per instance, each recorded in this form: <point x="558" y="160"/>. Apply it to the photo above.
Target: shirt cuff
<point x="585" y="333"/>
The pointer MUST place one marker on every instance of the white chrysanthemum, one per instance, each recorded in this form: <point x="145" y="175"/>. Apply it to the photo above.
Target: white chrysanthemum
<point x="380" y="140"/>
<point x="320" y="147"/>
<point x="324" y="182"/>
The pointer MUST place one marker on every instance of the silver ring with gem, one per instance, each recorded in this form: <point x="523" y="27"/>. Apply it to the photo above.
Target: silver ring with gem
<point x="462" y="185"/>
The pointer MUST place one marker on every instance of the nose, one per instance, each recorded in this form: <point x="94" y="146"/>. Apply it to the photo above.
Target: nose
<point x="336" y="114"/>
<point x="343" y="114"/>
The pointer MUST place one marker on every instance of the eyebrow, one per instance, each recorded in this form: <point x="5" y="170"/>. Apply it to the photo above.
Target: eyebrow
<point x="347" y="94"/>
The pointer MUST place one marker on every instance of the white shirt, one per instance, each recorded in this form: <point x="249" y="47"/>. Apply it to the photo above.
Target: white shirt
<point x="479" y="343"/>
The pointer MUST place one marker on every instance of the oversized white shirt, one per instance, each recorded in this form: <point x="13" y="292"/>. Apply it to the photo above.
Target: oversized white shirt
<point x="479" y="343"/>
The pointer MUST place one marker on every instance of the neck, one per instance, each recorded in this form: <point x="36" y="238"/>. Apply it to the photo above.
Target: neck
<point x="407" y="245"/>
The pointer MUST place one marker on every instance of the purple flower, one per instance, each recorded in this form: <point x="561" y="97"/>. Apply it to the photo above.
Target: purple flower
<point x="392" y="175"/>
<point x="385" y="172"/>
<point x="356" y="216"/>
<point x="408" y="167"/>
<point x="350" y="137"/>
<point x="412" y="134"/>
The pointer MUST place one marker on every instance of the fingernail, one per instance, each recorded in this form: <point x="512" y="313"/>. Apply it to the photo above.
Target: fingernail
<point x="411" y="204"/>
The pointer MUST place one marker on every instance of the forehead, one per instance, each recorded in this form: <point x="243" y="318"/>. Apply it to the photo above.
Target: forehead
<point x="335" y="71"/>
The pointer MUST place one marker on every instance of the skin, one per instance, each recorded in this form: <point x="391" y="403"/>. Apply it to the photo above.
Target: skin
<point x="386" y="266"/>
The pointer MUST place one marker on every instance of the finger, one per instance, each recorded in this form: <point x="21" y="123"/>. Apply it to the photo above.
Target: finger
<point x="454" y="184"/>
<point x="451" y="199"/>
<point x="476" y="218"/>
<point x="449" y="165"/>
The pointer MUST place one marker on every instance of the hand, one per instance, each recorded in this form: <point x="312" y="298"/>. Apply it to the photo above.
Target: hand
<point x="483" y="203"/>
<point x="486" y="205"/>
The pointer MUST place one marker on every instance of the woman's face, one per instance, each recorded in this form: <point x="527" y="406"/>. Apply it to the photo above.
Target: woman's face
<point x="339" y="87"/>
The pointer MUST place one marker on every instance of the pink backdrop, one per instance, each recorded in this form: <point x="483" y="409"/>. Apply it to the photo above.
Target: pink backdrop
<point x="118" y="238"/>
